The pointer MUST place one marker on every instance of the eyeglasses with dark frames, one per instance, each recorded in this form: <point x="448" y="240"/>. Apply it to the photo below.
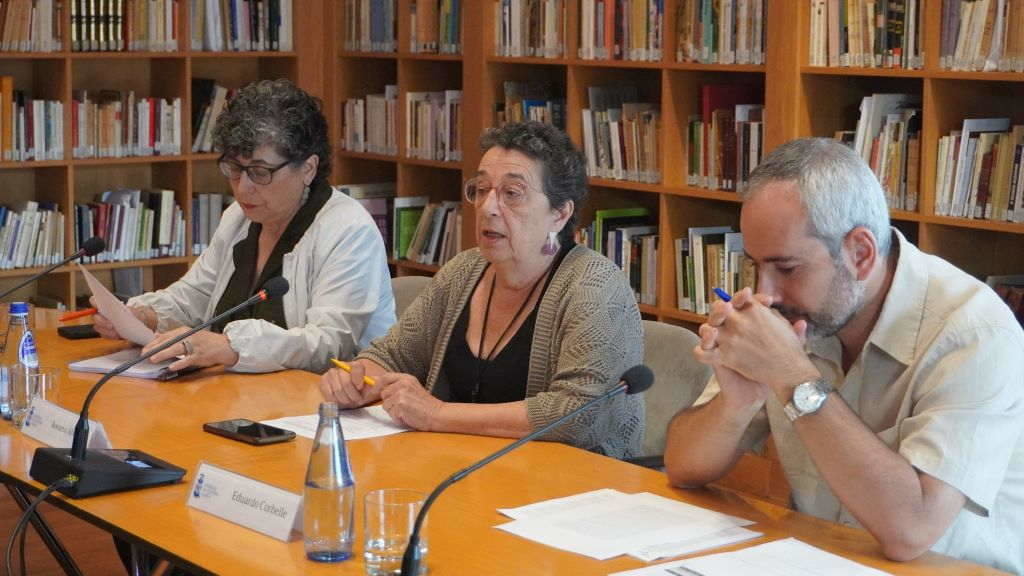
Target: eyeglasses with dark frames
<point x="258" y="174"/>
<point x="511" y="193"/>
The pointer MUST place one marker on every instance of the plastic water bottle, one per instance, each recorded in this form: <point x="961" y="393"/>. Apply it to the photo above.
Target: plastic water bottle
<point x="330" y="492"/>
<point x="19" y="352"/>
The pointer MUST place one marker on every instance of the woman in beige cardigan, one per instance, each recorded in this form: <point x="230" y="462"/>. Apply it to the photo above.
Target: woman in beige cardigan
<point x="517" y="332"/>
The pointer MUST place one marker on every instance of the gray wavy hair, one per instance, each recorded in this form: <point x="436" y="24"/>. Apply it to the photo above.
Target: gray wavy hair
<point x="837" y="189"/>
<point x="278" y="113"/>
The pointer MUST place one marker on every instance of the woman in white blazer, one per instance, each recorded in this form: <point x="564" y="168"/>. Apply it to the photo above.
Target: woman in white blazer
<point x="285" y="221"/>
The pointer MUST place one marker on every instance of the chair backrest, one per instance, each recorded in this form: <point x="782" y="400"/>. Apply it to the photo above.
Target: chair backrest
<point x="406" y="289"/>
<point x="678" y="379"/>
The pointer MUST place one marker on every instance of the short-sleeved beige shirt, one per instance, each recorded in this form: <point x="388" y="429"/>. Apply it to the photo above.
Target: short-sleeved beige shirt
<point x="941" y="381"/>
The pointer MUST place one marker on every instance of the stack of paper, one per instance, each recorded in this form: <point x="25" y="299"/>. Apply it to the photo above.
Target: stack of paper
<point x="779" y="558"/>
<point x="606" y="523"/>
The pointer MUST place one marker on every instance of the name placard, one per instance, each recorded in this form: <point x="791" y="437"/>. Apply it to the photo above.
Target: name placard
<point x="258" y="506"/>
<point x="55" y="426"/>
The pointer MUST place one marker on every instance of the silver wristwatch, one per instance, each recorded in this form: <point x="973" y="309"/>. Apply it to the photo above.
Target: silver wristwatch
<point x="808" y="398"/>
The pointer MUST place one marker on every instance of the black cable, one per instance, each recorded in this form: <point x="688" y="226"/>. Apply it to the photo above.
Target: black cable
<point x="21" y="552"/>
<point x="27" y="516"/>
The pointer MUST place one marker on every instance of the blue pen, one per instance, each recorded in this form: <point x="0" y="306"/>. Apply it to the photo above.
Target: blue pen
<point x="722" y="294"/>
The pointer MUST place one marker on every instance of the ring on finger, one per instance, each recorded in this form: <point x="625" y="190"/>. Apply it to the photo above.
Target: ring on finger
<point x="188" y="347"/>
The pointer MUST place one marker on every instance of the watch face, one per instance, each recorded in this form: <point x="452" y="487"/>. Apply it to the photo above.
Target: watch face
<point x="807" y="397"/>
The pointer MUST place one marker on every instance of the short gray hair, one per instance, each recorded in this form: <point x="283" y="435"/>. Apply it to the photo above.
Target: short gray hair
<point x="278" y="113"/>
<point x="837" y="189"/>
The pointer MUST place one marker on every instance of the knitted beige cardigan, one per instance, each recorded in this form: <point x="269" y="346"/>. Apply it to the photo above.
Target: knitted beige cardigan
<point x="588" y="332"/>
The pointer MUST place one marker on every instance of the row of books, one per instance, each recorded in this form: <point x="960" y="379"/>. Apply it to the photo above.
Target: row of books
<point x="725" y="141"/>
<point x="30" y="129"/>
<point x="433" y="125"/>
<point x="983" y="35"/>
<point x="1011" y="289"/>
<point x="621" y="135"/>
<point x="33" y="236"/>
<point x="206" y="212"/>
<point x="371" y="123"/>
<point x="113" y="124"/>
<point x="534" y="100"/>
<point x="979" y="171"/>
<point x="208" y="101"/>
<point x="136" y="225"/>
<point x="370" y="25"/>
<point x="534" y="28"/>
<point x="721" y="31"/>
<point x="241" y="25"/>
<point x="629" y="238"/>
<point x="706" y="258"/>
<point x="30" y="26"/>
<point x="888" y="138"/>
<point x="435" y="26"/>
<point x="866" y="33"/>
<point x="621" y="29"/>
<point x="413" y="228"/>
<point x="124" y="25"/>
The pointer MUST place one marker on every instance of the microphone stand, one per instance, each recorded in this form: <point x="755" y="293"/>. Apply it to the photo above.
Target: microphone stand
<point x="103" y="471"/>
<point x="411" y="559"/>
<point x="44" y="272"/>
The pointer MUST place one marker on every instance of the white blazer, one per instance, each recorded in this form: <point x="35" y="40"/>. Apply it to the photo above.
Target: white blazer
<point x="339" y="300"/>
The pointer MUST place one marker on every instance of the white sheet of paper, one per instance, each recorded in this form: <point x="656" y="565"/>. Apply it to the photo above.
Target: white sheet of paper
<point x="721" y="538"/>
<point x="620" y="524"/>
<point x="128" y="326"/>
<point x="556" y="505"/>
<point x="788" y="557"/>
<point x="357" y="424"/>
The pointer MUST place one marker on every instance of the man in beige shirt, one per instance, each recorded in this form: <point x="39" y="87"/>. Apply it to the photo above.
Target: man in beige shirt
<point x="893" y="382"/>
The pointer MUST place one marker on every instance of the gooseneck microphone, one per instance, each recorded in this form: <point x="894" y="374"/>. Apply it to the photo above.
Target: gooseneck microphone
<point x="90" y="247"/>
<point x="104" y="471"/>
<point x="635" y="380"/>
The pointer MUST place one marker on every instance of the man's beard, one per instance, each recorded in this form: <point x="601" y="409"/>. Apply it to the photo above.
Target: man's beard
<point x="843" y="300"/>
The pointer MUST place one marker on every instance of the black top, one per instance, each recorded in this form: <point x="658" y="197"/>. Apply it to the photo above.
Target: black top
<point x="503" y="378"/>
<point x="244" y="282"/>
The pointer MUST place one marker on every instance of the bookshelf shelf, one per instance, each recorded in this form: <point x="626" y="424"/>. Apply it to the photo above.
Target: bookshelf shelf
<point x="148" y="263"/>
<point x="626" y="64"/>
<point x="430" y="57"/>
<point x="203" y="156"/>
<point x="866" y="72"/>
<point x="370" y="156"/>
<point x="986" y="76"/>
<point x="529" y="60"/>
<point x="707" y="194"/>
<point x="200" y="55"/>
<point x="429" y="163"/>
<point x="698" y="67"/>
<point x="32" y="164"/>
<point x="628" y="185"/>
<point x="127" y="55"/>
<point x="374" y="55"/>
<point x="410" y="265"/>
<point x="33" y="55"/>
<point x="683" y="315"/>
<point x="648" y="309"/>
<point x="126" y="161"/>
<point x="988" y="225"/>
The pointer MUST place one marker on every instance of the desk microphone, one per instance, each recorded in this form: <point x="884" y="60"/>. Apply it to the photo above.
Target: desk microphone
<point x="103" y="471"/>
<point x="633" y="381"/>
<point x="90" y="247"/>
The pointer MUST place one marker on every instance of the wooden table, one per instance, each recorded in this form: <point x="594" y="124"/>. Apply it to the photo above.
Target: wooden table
<point x="165" y="419"/>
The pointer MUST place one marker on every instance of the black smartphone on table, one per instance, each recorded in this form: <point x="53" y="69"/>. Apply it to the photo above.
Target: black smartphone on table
<point x="78" y="331"/>
<point x="245" y="430"/>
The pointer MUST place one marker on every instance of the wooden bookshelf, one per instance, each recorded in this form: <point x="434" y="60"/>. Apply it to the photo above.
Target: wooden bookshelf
<point x="55" y="75"/>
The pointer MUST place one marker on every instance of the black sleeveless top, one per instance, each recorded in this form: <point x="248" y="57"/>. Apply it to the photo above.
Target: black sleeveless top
<point x="503" y="378"/>
<point x="244" y="282"/>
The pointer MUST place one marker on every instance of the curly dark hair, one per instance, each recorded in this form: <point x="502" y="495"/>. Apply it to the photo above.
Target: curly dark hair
<point x="563" y="167"/>
<point x="278" y="113"/>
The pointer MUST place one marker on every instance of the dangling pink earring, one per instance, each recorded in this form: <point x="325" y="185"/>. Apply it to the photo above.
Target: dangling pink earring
<point x="550" y="247"/>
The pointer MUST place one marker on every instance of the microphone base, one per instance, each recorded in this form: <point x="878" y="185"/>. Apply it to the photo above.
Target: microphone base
<point x="102" y="471"/>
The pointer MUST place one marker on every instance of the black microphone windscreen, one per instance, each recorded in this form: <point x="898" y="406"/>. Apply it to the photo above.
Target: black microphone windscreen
<point x="94" y="246"/>
<point x="276" y="287"/>
<point x="638" y="379"/>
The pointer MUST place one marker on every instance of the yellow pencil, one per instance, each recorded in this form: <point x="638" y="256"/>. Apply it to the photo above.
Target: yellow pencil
<point x="366" y="379"/>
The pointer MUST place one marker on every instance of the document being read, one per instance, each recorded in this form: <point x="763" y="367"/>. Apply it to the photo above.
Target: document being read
<point x="788" y="557"/>
<point x="127" y="325"/>
<point x="360" y="423"/>
<point x="606" y="523"/>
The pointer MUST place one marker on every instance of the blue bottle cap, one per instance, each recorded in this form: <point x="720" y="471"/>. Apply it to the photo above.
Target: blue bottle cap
<point x="19" y="308"/>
